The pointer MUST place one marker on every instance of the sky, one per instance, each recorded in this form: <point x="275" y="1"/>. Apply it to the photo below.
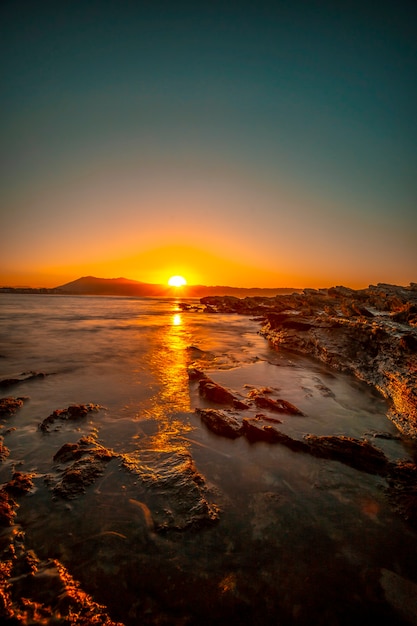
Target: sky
<point x="245" y="144"/>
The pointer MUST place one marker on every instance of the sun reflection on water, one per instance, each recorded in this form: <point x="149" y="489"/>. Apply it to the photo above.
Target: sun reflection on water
<point x="176" y="319"/>
<point x="169" y="367"/>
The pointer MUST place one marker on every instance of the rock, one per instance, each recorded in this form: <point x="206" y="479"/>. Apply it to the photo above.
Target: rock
<point x="7" y="508"/>
<point x="9" y="405"/>
<point x="279" y="406"/>
<point x="195" y="374"/>
<point x="20" y="483"/>
<point x="72" y="413"/>
<point x="44" y="592"/>
<point x="21" y="378"/>
<point x="214" y="392"/>
<point x="220" y="423"/>
<point x="172" y="488"/>
<point x="254" y="430"/>
<point x="356" y="453"/>
<point x="370" y="333"/>
<point x="88" y="461"/>
<point x="4" y="450"/>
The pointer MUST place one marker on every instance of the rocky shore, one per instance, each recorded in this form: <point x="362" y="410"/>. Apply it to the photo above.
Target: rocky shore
<point x="370" y="333"/>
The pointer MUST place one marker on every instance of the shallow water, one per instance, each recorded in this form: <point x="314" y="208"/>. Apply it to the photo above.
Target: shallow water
<point x="299" y="540"/>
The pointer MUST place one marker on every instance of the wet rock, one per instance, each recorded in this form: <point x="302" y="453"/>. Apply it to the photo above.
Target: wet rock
<point x="214" y="392"/>
<point x="9" y="405"/>
<point x="4" y="450"/>
<point x="21" y="378"/>
<point x="402" y="490"/>
<point x="196" y="374"/>
<point x="175" y="492"/>
<point x="220" y="423"/>
<point x="268" y="418"/>
<point x="72" y="413"/>
<point x="195" y="354"/>
<point x="356" y="453"/>
<point x="7" y="508"/>
<point x="20" y="483"/>
<point x="279" y="406"/>
<point x="255" y="430"/>
<point x="87" y="462"/>
<point x="44" y="592"/>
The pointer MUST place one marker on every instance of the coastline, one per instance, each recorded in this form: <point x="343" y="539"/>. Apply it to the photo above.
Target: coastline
<point x="370" y="333"/>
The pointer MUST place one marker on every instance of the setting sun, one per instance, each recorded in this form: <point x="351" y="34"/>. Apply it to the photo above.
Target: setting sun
<point x="177" y="281"/>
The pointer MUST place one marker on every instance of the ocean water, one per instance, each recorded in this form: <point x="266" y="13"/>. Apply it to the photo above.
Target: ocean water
<point x="298" y="540"/>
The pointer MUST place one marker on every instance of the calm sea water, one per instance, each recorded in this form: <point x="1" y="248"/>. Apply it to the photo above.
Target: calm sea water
<point x="298" y="541"/>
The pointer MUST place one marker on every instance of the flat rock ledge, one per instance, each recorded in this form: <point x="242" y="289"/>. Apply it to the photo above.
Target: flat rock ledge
<point x="359" y="454"/>
<point x="370" y="333"/>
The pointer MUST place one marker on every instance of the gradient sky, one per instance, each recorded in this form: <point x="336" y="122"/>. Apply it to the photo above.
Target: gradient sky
<point x="249" y="144"/>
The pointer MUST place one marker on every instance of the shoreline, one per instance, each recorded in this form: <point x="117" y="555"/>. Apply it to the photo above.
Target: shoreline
<point x="369" y="333"/>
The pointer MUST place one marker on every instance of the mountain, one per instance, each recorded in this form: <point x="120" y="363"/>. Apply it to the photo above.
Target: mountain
<point x="90" y="285"/>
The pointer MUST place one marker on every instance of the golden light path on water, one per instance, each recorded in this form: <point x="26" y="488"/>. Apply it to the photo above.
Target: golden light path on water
<point x="169" y="367"/>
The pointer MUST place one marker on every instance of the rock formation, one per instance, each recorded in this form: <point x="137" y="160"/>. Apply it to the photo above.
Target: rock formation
<point x="370" y="333"/>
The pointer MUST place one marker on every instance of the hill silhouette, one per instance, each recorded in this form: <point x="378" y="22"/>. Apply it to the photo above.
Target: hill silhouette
<point x="90" y="285"/>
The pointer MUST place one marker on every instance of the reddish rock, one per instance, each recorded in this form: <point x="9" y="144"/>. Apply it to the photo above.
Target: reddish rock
<point x="219" y="395"/>
<point x="279" y="406"/>
<point x="20" y="483"/>
<point x="220" y="423"/>
<point x="4" y="450"/>
<point x="359" y="454"/>
<point x="9" y="405"/>
<point x="72" y="413"/>
<point x="196" y="374"/>
<point x="7" y="508"/>
<point x="254" y="430"/>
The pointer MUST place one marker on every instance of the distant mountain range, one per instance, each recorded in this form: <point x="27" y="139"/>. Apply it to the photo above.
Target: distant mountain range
<point x="90" y="285"/>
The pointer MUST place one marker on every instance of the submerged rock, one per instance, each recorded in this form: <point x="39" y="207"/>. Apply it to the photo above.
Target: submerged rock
<point x="87" y="459"/>
<point x="220" y="423"/>
<point x="173" y="490"/>
<point x="72" y="413"/>
<point x="21" y="378"/>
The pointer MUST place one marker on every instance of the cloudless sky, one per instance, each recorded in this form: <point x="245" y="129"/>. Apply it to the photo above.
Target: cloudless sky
<point x="249" y="144"/>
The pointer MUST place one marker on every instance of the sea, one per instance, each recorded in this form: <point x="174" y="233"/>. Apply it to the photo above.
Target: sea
<point x="291" y="539"/>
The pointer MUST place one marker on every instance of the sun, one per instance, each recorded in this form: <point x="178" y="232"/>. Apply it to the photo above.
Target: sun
<point x="177" y="281"/>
